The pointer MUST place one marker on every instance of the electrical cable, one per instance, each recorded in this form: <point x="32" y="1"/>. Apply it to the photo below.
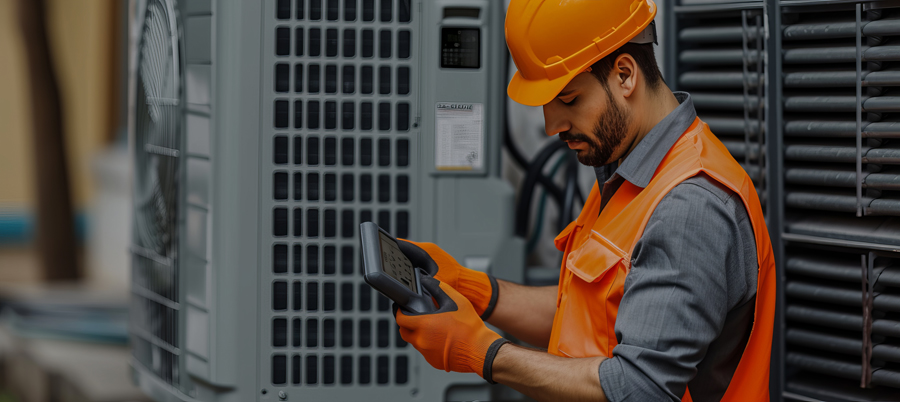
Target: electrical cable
<point x="523" y="163"/>
<point x="511" y="147"/>
<point x="539" y="220"/>
<point x="517" y="155"/>
<point x="571" y="188"/>
<point x="534" y="174"/>
<point x="580" y="195"/>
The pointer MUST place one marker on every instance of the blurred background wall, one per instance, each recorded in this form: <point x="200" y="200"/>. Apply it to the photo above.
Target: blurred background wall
<point x="63" y="320"/>
<point x="87" y="48"/>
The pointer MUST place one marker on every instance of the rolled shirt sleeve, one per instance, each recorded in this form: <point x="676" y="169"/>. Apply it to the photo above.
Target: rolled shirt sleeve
<point x="688" y="270"/>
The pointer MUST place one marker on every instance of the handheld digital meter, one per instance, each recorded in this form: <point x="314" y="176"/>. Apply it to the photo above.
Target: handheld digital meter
<point x="390" y="272"/>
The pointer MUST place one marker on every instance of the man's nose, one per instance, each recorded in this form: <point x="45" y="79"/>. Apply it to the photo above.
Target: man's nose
<point x="555" y="121"/>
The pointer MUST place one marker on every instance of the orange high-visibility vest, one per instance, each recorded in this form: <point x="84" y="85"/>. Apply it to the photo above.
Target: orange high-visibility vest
<point x="598" y="252"/>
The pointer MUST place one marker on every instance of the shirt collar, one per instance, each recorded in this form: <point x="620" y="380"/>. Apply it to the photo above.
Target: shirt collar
<point x="639" y="166"/>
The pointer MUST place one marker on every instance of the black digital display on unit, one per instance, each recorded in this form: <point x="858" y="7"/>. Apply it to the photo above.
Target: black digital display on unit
<point x="461" y="48"/>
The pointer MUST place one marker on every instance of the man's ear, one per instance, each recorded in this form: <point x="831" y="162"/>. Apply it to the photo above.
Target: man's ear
<point x="625" y="72"/>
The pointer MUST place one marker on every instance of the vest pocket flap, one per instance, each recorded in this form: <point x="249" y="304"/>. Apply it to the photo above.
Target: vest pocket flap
<point x="596" y="256"/>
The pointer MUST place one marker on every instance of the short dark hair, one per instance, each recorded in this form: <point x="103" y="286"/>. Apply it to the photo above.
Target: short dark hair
<point x="643" y="56"/>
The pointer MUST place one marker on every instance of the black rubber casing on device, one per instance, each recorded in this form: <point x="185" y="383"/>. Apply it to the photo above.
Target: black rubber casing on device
<point x="417" y="302"/>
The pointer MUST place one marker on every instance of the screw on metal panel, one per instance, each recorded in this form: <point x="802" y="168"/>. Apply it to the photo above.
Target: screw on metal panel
<point x="282" y="395"/>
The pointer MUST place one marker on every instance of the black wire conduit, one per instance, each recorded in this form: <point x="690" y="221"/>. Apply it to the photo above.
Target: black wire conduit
<point x="513" y="149"/>
<point x="568" y="205"/>
<point x="532" y="176"/>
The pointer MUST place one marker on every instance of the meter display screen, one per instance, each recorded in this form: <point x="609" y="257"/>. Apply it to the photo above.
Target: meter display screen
<point x="395" y="264"/>
<point x="460" y="47"/>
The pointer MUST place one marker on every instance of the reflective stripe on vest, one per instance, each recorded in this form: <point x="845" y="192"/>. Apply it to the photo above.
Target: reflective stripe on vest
<point x="598" y="253"/>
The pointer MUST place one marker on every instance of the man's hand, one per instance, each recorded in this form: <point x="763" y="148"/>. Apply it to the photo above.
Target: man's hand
<point x="480" y="288"/>
<point x="453" y="338"/>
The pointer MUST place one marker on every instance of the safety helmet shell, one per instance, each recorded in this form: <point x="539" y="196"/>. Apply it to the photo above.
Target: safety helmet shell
<point x="552" y="41"/>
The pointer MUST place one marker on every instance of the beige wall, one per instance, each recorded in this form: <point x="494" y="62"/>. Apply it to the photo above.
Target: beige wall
<point x="81" y="39"/>
<point x="15" y="146"/>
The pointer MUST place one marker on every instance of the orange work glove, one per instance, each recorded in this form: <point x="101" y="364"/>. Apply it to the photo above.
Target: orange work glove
<point x="479" y="287"/>
<point x="453" y="338"/>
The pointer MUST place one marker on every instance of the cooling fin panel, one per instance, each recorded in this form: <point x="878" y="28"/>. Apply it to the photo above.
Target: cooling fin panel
<point x="156" y="302"/>
<point x="841" y="200"/>
<point x="341" y="88"/>
<point x="720" y="65"/>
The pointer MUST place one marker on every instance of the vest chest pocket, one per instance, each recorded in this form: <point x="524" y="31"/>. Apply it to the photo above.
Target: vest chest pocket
<point x="594" y="257"/>
<point x="587" y="327"/>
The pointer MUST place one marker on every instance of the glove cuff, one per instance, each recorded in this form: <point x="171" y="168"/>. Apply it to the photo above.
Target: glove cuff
<point x="487" y="372"/>
<point x="495" y="294"/>
<point x="481" y="290"/>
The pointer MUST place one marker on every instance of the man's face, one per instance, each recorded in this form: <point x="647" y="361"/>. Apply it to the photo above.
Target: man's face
<point x="590" y="120"/>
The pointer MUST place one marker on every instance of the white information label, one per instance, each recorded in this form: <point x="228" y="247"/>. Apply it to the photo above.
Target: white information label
<point x="459" y="136"/>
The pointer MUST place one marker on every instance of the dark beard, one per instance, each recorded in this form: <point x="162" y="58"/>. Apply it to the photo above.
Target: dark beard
<point x="611" y="127"/>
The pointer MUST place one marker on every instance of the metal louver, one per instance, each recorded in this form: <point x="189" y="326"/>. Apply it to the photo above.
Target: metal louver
<point x="266" y="131"/>
<point x="839" y="329"/>
<point x="720" y="63"/>
<point x="839" y="113"/>
<point x="831" y="121"/>
<point x="344" y="79"/>
<point x="841" y="201"/>
<point x="155" y="304"/>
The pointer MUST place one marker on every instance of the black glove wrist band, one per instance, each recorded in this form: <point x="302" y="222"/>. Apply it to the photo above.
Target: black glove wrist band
<point x="489" y="359"/>
<point x="495" y="293"/>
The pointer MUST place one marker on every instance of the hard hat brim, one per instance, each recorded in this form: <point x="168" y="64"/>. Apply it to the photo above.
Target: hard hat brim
<point x="536" y="93"/>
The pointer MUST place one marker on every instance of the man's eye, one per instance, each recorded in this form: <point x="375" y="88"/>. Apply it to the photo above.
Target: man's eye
<point x="571" y="102"/>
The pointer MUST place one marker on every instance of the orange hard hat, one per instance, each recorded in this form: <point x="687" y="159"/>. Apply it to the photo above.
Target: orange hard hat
<point x="553" y="41"/>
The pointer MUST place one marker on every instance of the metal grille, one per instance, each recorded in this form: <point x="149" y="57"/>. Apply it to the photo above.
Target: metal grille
<point x="841" y="180"/>
<point x="155" y="303"/>
<point x="713" y="2"/>
<point x="340" y="144"/>
<point x="720" y="63"/>
<point x="836" y="202"/>
<point x="835" y="329"/>
<point x="840" y="120"/>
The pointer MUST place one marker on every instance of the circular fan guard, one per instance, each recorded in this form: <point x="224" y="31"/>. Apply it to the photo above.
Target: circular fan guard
<point x="157" y="134"/>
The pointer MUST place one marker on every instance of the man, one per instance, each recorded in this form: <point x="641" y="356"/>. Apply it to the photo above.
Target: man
<point x="667" y="289"/>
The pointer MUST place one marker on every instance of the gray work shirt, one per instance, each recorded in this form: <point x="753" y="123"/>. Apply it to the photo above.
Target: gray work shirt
<point x="687" y="308"/>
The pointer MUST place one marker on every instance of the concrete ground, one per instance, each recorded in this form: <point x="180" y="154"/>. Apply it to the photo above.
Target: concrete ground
<point x="42" y="369"/>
